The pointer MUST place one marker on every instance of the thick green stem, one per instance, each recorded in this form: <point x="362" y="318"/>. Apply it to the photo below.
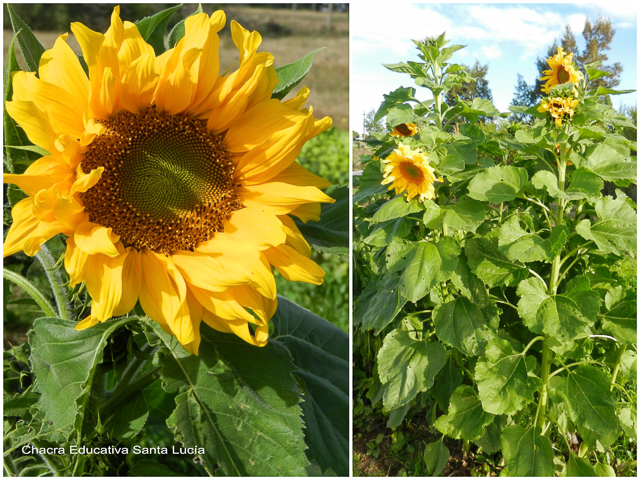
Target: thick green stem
<point x="56" y="282"/>
<point x="31" y="290"/>
<point x="547" y="355"/>
<point x="616" y="368"/>
<point x="9" y="466"/>
<point x="437" y="98"/>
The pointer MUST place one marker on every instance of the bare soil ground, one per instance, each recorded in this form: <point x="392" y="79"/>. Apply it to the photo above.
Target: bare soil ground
<point x="288" y="36"/>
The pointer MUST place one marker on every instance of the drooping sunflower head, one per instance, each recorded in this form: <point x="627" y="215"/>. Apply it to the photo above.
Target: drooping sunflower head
<point x="409" y="171"/>
<point x="562" y="70"/>
<point x="559" y="108"/>
<point x="175" y="184"/>
<point x="404" y="130"/>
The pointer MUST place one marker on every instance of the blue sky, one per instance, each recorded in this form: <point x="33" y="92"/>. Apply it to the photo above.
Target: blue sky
<point x="507" y="36"/>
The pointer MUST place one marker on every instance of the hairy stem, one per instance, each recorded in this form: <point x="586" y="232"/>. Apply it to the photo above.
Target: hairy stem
<point x="547" y="355"/>
<point x="56" y="282"/>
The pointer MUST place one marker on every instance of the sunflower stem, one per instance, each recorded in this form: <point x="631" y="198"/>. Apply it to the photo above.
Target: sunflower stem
<point x="31" y="290"/>
<point x="60" y="293"/>
<point x="616" y="368"/>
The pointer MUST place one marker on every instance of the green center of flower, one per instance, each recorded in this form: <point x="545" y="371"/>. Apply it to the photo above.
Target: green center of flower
<point x="167" y="183"/>
<point x="413" y="171"/>
<point x="563" y="75"/>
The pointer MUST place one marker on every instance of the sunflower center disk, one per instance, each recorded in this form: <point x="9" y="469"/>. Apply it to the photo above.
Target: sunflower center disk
<point x="563" y="75"/>
<point x="167" y="183"/>
<point x="413" y="171"/>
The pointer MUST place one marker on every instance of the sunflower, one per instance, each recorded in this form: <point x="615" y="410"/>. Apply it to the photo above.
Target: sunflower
<point x="559" y="107"/>
<point x="176" y="185"/>
<point x="408" y="171"/>
<point x="562" y="71"/>
<point x="404" y="130"/>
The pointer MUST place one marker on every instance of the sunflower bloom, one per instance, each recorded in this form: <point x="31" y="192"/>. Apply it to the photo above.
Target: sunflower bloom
<point x="176" y="185"/>
<point x="559" y="107"/>
<point x="562" y="70"/>
<point x="404" y="130"/>
<point x="409" y="171"/>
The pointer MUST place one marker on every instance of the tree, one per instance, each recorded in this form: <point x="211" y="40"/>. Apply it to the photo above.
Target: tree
<point x="371" y="126"/>
<point x="597" y="39"/>
<point x="470" y="90"/>
<point x="523" y="97"/>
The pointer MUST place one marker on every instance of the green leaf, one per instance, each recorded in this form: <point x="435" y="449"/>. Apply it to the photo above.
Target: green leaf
<point x="398" y="96"/>
<point x="369" y="183"/>
<point x="320" y="352"/>
<point x="506" y="382"/>
<point x="604" y="470"/>
<point x="407" y="367"/>
<point x="292" y="74"/>
<point x="491" y="265"/>
<point x="561" y="316"/>
<point x="579" y="467"/>
<point x="620" y="319"/>
<point x="615" y="230"/>
<point x="385" y="304"/>
<point x="20" y="404"/>
<point x="584" y="184"/>
<point x="628" y="418"/>
<point x="237" y="401"/>
<point x="468" y="284"/>
<point x="31" y="148"/>
<point x="399" y="114"/>
<point x="331" y="233"/>
<point x="610" y="164"/>
<point x="609" y="91"/>
<point x="448" y="379"/>
<point x="152" y="29"/>
<point x="436" y="456"/>
<point x="518" y="244"/>
<point x="587" y="399"/>
<point x="177" y="32"/>
<point x="387" y="231"/>
<point x="466" y="150"/>
<point x="129" y="418"/>
<point x="465" y="214"/>
<point x="427" y="265"/>
<point x="490" y="441"/>
<point x="64" y="361"/>
<point x="498" y="184"/>
<point x="466" y="418"/>
<point x="526" y="453"/>
<point x="478" y="107"/>
<point x="395" y="208"/>
<point x="29" y="45"/>
<point x="462" y="325"/>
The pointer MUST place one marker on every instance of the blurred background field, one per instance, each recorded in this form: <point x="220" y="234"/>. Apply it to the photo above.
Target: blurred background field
<point x="289" y="32"/>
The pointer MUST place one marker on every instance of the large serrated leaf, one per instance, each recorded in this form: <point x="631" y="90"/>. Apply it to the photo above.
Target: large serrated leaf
<point x="527" y="453"/>
<point x="466" y="418"/>
<point x="498" y="184"/>
<point x="407" y="366"/>
<point x="320" y="351"/>
<point x="586" y="396"/>
<point x="30" y="46"/>
<point x="615" y="230"/>
<point x="292" y="74"/>
<point x="461" y="324"/>
<point x="395" y="208"/>
<point x="506" y="382"/>
<point x="331" y="233"/>
<point x="64" y="361"/>
<point x="241" y="401"/>
<point x="490" y="265"/>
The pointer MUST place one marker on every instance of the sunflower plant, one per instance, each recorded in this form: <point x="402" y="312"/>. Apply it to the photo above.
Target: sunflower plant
<point x="495" y="275"/>
<point x="158" y="193"/>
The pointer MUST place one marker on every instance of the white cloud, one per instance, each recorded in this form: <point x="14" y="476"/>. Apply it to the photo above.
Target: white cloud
<point x="491" y="52"/>
<point x="576" y="22"/>
<point x="624" y="25"/>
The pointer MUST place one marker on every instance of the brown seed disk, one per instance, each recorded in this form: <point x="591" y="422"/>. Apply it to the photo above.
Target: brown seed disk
<point x="167" y="183"/>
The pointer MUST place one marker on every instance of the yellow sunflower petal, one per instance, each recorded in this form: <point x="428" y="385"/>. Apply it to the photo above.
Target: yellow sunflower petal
<point x="239" y="328"/>
<point x="294" y="266"/>
<point x="138" y="84"/>
<point x="306" y="212"/>
<point x="69" y="212"/>
<point x="88" y="322"/>
<point x="85" y="182"/>
<point x="25" y="223"/>
<point x="255" y="226"/>
<point x="61" y="67"/>
<point x="280" y="198"/>
<point x="294" y="237"/>
<point x="41" y="174"/>
<point x="222" y="304"/>
<point x="103" y="277"/>
<point x="163" y="295"/>
<point x="33" y="121"/>
<point x="64" y="112"/>
<point x="131" y="275"/>
<point x="93" y="239"/>
<point x="75" y="260"/>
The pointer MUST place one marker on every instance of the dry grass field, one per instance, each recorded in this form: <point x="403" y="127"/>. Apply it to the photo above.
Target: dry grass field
<point x="288" y="35"/>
